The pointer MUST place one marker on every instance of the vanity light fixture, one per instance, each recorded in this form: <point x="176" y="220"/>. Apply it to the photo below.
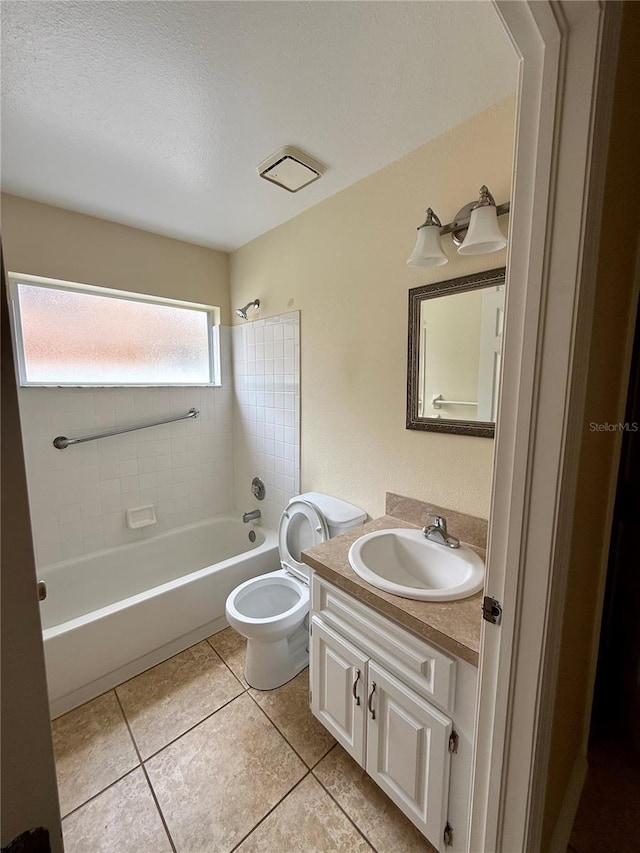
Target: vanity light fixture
<point x="428" y="249"/>
<point x="474" y="230"/>
<point x="483" y="234"/>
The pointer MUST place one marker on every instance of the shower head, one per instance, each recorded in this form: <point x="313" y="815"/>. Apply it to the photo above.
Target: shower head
<point x="242" y="312"/>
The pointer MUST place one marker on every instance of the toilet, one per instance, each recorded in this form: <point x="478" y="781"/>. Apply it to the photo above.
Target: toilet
<point x="272" y="610"/>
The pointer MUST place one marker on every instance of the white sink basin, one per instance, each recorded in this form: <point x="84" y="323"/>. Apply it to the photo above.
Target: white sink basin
<point x="404" y="562"/>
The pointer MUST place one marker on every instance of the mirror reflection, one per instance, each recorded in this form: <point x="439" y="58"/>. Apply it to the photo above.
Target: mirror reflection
<point x="455" y="342"/>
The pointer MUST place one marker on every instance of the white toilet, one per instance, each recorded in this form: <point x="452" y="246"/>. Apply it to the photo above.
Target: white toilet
<point x="271" y="611"/>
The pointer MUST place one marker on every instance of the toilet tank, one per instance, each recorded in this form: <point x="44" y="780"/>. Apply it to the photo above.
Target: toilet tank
<point x="339" y="515"/>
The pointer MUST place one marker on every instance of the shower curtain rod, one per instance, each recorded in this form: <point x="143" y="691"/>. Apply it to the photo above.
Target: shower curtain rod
<point x="61" y="442"/>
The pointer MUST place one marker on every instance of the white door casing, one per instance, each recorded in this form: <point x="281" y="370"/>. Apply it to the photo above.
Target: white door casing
<point x="556" y="202"/>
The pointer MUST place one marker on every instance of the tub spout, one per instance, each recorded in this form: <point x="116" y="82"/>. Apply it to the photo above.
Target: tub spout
<point x="251" y="516"/>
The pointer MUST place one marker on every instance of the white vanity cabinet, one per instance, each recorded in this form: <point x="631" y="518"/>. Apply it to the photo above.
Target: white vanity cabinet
<point x="338" y="688"/>
<point x="375" y="686"/>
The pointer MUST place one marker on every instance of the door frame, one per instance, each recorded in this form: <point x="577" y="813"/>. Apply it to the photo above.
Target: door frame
<point x="567" y="59"/>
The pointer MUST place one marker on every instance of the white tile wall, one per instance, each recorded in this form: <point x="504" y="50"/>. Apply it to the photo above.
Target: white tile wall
<point x="266" y="371"/>
<point x="78" y="496"/>
<point x="188" y="470"/>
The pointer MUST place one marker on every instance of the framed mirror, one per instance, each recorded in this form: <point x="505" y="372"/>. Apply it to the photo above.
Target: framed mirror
<point x="455" y="342"/>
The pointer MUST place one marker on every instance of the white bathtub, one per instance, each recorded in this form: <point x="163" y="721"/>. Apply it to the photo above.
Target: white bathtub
<point x="113" y="614"/>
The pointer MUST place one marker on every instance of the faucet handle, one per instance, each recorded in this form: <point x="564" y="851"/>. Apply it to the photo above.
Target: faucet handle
<point x="439" y="523"/>
<point x="438" y="532"/>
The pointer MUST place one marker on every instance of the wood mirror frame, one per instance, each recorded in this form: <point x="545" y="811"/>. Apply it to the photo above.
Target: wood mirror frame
<point x="417" y="295"/>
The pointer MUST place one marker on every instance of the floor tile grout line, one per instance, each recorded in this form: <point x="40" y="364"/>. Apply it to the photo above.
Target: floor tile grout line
<point x="160" y="812"/>
<point x="245" y="690"/>
<point x="333" y="746"/>
<point x="126" y="722"/>
<point x="322" y="757"/>
<point x="344" y="811"/>
<point x="173" y="740"/>
<point x="115" y="687"/>
<point x="309" y="769"/>
<point x="315" y="776"/>
<point x="122" y="776"/>
<point x="310" y="772"/>
<point x="275" y="725"/>
<point x="226" y="664"/>
<point x="82" y="704"/>
<point x="285" y="738"/>
<point x="191" y="728"/>
<point x="177" y="737"/>
<point x="148" y="780"/>
<point x="101" y="791"/>
<point x="278" y="729"/>
<point x="272" y="809"/>
<point x="141" y="761"/>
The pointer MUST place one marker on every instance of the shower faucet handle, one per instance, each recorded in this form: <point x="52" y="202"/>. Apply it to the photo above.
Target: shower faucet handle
<point x="258" y="488"/>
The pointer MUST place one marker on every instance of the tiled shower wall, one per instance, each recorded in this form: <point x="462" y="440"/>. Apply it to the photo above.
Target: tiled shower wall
<point x="78" y="496"/>
<point x="266" y="371"/>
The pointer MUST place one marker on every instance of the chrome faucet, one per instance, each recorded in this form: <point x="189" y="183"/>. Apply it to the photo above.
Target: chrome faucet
<point x="251" y="516"/>
<point x="437" y="532"/>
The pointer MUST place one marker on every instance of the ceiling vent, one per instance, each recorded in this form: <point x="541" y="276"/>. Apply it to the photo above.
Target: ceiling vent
<point x="290" y="169"/>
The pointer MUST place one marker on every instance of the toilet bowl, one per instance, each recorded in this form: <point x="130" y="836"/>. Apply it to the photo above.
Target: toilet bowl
<point x="271" y="611"/>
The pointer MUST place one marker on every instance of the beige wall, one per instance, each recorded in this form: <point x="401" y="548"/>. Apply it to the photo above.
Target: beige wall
<point x="606" y="394"/>
<point x="342" y="263"/>
<point x="49" y="241"/>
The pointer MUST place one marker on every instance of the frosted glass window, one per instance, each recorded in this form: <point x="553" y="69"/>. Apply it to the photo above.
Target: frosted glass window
<point x="79" y="337"/>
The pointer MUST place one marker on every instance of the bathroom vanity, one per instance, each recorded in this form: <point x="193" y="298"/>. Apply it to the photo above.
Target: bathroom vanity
<point x="394" y="680"/>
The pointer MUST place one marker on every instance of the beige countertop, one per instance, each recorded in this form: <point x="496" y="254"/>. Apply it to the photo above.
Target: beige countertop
<point x="454" y="626"/>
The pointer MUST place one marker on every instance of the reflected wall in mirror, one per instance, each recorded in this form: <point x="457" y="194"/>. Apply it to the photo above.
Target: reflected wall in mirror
<point x="455" y="342"/>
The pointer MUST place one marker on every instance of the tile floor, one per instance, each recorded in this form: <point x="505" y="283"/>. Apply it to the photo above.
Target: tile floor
<point x="186" y="757"/>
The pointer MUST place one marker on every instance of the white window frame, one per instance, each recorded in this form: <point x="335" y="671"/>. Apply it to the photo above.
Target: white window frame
<point x="213" y="325"/>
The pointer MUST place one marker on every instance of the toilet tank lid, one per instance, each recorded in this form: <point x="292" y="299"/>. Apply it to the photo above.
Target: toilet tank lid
<point x="334" y="510"/>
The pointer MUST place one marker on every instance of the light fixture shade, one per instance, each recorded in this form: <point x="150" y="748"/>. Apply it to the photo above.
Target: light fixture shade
<point x="428" y="250"/>
<point x="484" y="234"/>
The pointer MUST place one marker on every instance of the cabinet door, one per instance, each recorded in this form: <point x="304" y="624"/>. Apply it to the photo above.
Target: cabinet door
<point x="408" y="751"/>
<point x="338" y="685"/>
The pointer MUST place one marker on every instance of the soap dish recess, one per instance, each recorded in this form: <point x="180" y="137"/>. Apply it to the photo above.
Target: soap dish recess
<point x="141" y="516"/>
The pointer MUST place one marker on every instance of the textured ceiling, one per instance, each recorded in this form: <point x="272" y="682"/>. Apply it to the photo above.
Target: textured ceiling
<point x="156" y="114"/>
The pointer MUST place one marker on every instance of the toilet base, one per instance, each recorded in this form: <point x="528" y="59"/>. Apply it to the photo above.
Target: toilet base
<point x="269" y="665"/>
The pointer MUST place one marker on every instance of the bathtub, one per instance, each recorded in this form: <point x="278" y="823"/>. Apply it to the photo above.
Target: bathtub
<point x="110" y="615"/>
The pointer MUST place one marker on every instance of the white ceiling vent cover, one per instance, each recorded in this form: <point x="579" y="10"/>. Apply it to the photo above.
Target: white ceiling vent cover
<point x="290" y="169"/>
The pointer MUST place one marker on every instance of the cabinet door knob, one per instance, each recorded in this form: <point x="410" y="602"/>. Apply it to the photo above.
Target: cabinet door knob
<point x="370" y="702"/>
<point x="355" y="687"/>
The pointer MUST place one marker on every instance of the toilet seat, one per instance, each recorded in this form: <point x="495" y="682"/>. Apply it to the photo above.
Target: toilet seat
<point x="268" y="605"/>
<point x="302" y="526"/>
